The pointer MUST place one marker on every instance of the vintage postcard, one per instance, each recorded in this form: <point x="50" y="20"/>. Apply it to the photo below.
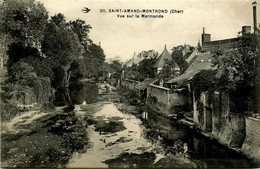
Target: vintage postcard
<point x="130" y="84"/>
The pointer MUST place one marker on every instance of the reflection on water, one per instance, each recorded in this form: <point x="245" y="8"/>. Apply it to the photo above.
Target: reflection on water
<point x="145" y="115"/>
<point x="152" y="134"/>
<point x="83" y="91"/>
<point x="209" y="152"/>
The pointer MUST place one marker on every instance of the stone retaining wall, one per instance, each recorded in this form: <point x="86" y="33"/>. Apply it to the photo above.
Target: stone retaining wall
<point x="251" y="145"/>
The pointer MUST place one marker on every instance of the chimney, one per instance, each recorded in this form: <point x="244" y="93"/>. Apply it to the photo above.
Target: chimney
<point x="99" y="44"/>
<point x="254" y="4"/>
<point x="204" y="37"/>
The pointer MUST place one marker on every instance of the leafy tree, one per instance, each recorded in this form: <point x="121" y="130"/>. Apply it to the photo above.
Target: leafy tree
<point x="178" y="58"/>
<point x="94" y="59"/>
<point x="61" y="45"/>
<point x="237" y="73"/>
<point x="145" y="68"/>
<point x="237" y="68"/>
<point x="59" y="20"/>
<point x="77" y="69"/>
<point x="116" y="66"/>
<point x="82" y="30"/>
<point x="41" y="66"/>
<point x="23" y="20"/>
<point x="18" y="51"/>
<point x="20" y="82"/>
<point x="168" y="71"/>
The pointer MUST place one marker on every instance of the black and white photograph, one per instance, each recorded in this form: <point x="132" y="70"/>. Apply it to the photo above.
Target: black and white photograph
<point x="130" y="83"/>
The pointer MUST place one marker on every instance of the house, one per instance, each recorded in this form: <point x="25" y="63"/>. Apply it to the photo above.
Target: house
<point x="192" y="56"/>
<point x="224" y="44"/>
<point x="211" y="109"/>
<point x="200" y="61"/>
<point x="165" y="55"/>
<point x="136" y="59"/>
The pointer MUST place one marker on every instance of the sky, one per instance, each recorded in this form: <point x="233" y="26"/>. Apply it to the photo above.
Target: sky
<point x="124" y="36"/>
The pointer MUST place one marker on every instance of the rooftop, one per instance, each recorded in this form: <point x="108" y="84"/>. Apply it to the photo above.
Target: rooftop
<point x="202" y="62"/>
<point x="161" y="59"/>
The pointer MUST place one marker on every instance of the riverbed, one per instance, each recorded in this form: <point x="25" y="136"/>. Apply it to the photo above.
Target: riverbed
<point x="109" y="133"/>
<point x="149" y="140"/>
<point x="109" y="145"/>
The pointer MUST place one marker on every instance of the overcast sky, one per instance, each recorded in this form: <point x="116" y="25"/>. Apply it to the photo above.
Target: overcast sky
<point x="124" y="36"/>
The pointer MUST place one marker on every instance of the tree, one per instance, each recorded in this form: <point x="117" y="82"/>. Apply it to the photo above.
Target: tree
<point x="116" y="66"/>
<point x="145" y="68"/>
<point x="237" y="74"/>
<point x="237" y="68"/>
<point x="23" y="20"/>
<point x="42" y="66"/>
<point x="59" y="20"/>
<point x="61" y="45"/>
<point x="168" y="71"/>
<point x="178" y="58"/>
<point x="82" y="30"/>
<point x="94" y="59"/>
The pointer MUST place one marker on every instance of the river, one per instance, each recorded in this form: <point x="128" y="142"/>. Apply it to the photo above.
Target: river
<point x="148" y="139"/>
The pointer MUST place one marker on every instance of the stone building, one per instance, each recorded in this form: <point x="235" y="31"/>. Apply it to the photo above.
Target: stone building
<point x="225" y="44"/>
<point x="136" y="59"/>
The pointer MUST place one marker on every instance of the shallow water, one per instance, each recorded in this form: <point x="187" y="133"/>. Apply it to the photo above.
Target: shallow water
<point x="100" y="151"/>
<point x="154" y="133"/>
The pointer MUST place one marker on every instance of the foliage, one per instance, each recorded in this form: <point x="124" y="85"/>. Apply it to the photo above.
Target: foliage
<point x="237" y="68"/>
<point x="133" y="73"/>
<point x="141" y="71"/>
<point x="237" y="73"/>
<point x="178" y="58"/>
<point x="22" y="19"/>
<point x="116" y="66"/>
<point x="59" y="20"/>
<point x="145" y="68"/>
<point x="20" y="83"/>
<point x="93" y="59"/>
<point x="40" y="49"/>
<point x="18" y="51"/>
<point x="61" y="45"/>
<point x="204" y="81"/>
<point x="77" y="69"/>
<point x="23" y="74"/>
<point x="82" y="30"/>
<point x="41" y="66"/>
<point x="168" y="71"/>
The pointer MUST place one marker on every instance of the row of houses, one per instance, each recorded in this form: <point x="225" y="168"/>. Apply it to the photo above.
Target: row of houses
<point x="211" y="111"/>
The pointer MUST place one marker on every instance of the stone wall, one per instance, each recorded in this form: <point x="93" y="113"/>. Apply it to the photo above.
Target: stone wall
<point x="166" y="99"/>
<point x="160" y="93"/>
<point x="216" y="119"/>
<point x="251" y="145"/>
<point x="177" y="99"/>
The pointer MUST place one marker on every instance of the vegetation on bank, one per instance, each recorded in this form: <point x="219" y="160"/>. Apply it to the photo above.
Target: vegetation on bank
<point x="236" y="73"/>
<point x="49" y="141"/>
<point x="46" y="56"/>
